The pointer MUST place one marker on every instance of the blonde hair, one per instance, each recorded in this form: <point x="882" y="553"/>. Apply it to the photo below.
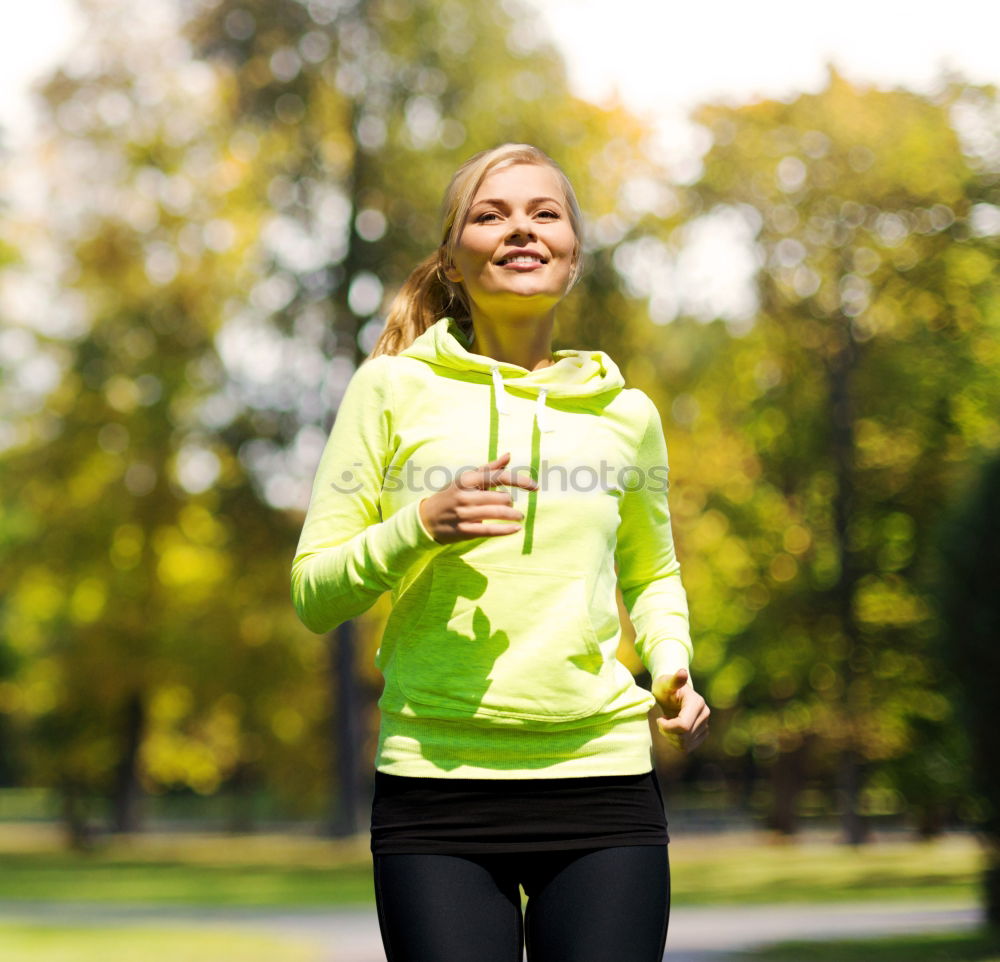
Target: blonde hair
<point x="427" y="295"/>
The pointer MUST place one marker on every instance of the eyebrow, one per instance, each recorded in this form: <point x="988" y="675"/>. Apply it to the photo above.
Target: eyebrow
<point x="500" y="202"/>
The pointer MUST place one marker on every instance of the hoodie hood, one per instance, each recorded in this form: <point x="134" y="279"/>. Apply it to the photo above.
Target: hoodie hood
<point x="575" y="374"/>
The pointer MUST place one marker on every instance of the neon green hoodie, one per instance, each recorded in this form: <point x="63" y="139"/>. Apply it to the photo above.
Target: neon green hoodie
<point x="499" y="654"/>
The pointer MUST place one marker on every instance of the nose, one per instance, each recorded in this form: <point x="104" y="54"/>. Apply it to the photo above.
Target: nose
<point x="520" y="225"/>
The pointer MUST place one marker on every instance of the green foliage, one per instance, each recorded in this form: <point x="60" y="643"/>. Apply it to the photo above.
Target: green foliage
<point x="229" y="219"/>
<point x="814" y="445"/>
<point x="212" y="231"/>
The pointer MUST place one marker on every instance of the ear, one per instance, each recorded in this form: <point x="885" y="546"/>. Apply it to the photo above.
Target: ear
<point x="575" y="262"/>
<point x="452" y="273"/>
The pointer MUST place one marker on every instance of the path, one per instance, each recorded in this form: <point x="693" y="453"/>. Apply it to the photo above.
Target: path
<point x="697" y="934"/>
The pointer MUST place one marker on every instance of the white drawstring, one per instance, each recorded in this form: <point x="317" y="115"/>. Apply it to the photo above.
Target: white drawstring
<point x="501" y="394"/>
<point x="542" y="412"/>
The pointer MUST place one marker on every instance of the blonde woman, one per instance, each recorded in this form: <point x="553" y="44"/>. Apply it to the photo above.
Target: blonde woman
<point x="500" y="491"/>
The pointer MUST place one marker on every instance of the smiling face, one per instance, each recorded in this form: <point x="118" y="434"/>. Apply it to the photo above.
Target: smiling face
<point x="517" y="248"/>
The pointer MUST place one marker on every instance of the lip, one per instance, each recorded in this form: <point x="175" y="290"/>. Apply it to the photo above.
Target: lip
<point x="522" y="268"/>
<point x="506" y="262"/>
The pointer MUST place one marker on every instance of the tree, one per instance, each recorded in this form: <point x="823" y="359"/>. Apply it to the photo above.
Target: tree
<point x="375" y="104"/>
<point x="827" y="430"/>
<point x="233" y="195"/>
<point x="969" y="541"/>
<point x="154" y="643"/>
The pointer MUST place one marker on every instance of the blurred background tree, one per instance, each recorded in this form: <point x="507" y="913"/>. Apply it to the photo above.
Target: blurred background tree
<point x="969" y="541"/>
<point x="233" y="195"/>
<point x="234" y="190"/>
<point x="375" y="105"/>
<point x="827" y="432"/>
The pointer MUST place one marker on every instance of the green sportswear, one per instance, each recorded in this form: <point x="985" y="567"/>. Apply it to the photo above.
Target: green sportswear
<point x="499" y="653"/>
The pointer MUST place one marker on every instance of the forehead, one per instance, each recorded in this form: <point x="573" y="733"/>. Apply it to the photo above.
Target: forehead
<point x="521" y="181"/>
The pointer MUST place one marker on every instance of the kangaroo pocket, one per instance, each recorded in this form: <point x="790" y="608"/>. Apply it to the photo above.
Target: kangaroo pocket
<point x="505" y="641"/>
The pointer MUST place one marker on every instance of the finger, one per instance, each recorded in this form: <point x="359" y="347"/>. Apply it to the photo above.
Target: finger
<point x="665" y="687"/>
<point x="673" y="726"/>
<point x="486" y="478"/>
<point x="498" y="462"/>
<point x="474" y="477"/>
<point x="700" y="723"/>
<point x="700" y="731"/>
<point x="494" y="473"/>
<point x="685" y="719"/>
<point x="525" y="481"/>
<point x="499" y="472"/>
<point x="477" y="497"/>
<point x="694" y="712"/>
<point x="691" y="704"/>
<point x="672" y="737"/>
<point x="482" y="512"/>
<point x="483" y="529"/>
<point x="514" y="479"/>
<point x="683" y="741"/>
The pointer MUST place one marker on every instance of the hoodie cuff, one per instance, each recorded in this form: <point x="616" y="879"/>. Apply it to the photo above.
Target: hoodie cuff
<point x="331" y="585"/>
<point x="667" y="658"/>
<point x="428" y="537"/>
<point x="403" y="540"/>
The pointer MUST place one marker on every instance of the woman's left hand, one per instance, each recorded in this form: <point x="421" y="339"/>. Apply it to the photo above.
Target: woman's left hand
<point x="685" y="713"/>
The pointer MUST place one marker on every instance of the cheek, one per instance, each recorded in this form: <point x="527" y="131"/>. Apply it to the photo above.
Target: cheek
<point x="468" y="264"/>
<point x="470" y="256"/>
<point x="562" y="243"/>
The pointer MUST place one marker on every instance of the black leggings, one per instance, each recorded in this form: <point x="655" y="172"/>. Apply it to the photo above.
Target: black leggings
<point x="584" y="905"/>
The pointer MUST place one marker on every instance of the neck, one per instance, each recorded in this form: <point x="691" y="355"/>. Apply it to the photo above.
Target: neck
<point x="526" y="342"/>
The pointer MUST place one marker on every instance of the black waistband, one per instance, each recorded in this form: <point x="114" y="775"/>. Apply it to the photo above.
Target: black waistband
<point x="387" y="782"/>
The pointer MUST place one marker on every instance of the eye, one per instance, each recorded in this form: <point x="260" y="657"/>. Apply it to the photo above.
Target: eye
<point x="486" y="217"/>
<point x="548" y="213"/>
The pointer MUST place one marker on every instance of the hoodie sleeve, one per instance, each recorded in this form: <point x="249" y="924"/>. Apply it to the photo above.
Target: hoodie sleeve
<point x="648" y="571"/>
<point x="347" y="555"/>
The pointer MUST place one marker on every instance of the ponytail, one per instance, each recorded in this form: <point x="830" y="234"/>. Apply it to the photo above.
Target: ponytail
<point x="425" y="297"/>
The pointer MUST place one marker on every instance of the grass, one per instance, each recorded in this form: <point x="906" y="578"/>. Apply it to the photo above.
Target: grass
<point x="289" y="870"/>
<point x="749" y="869"/>
<point x="185" y="868"/>
<point x="927" y="947"/>
<point x="126" y="944"/>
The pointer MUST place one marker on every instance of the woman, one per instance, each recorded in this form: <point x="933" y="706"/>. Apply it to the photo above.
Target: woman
<point x="514" y="749"/>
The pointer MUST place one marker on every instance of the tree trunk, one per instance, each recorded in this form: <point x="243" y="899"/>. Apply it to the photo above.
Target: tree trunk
<point x="8" y="763"/>
<point x="786" y="781"/>
<point x="76" y="827"/>
<point x="241" y="787"/>
<point x="854" y="825"/>
<point x="991" y="889"/>
<point x="127" y="791"/>
<point x="932" y="819"/>
<point x="840" y="368"/>
<point x="347" y="697"/>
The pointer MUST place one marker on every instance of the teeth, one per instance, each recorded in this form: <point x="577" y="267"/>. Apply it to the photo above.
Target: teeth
<point x="523" y="259"/>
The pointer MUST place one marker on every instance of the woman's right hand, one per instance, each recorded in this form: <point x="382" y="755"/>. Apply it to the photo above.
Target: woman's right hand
<point x="456" y="513"/>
